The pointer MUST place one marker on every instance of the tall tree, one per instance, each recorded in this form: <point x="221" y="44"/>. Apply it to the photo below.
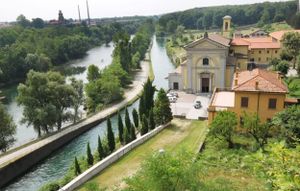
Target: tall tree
<point x="100" y="149"/>
<point x="78" y="97"/>
<point x="120" y="128"/>
<point x="93" y="73"/>
<point x="145" y="126"/>
<point x="7" y="130"/>
<point x="127" y="120"/>
<point x="148" y="94"/>
<point x="110" y="136"/>
<point x="127" y="137"/>
<point x="135" y="117"/>
<point x="90" y="158"/>
<point x="291" y="42"/>
<point x="22" y="21"/>
<point x="151" y="120"/>
<point x="223" y="126"/>
<point x="77" y="167"/>
<point x="162" y="110"/>
<point x="142" y="109"/>
<point x="132" y="133"/>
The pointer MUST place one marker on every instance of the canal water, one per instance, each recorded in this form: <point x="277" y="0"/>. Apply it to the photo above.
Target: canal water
<point x="99" y="56"/>
<point x="55" y="166"/>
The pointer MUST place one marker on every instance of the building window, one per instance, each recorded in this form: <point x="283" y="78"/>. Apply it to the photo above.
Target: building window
<point x="205" y="61"/>
<point x="175" y="86"/>
<point x="272" y="103"/>
<point x="268" y="52"/>
<point x="252" y="52"/>
<point x="259" y="52"/>
<point x="275" y="51"/>
<point x="244" y="102"/>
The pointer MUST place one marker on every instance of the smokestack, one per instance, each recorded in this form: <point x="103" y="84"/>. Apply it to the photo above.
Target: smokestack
<point x="79" y="16"/>
<point x="88" y="12"/>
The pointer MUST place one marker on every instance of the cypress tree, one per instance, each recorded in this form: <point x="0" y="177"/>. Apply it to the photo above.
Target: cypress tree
<point x="132" y="133"/>
<point x="151" y="120"/>
<point x="135" y="117"/>
<point x="100" y="149"/>
<point x="121" y="128"/>
<point x="142" y="107"/>
<point x="127" y="138"/>
<point x="162" y="110"/>
<point x="110" y="137"/>
<point x="149" y="91"/>
<point x="127" y="120"/>
<point x="144" y="129"/>
<point x="77" y="167"/>
<point x="90" y="158"/>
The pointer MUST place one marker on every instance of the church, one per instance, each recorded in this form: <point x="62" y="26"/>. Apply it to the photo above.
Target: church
<point x="212" y="60"/>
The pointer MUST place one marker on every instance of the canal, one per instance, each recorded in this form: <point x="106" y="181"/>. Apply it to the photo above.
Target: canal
<point x="55" y="166"/>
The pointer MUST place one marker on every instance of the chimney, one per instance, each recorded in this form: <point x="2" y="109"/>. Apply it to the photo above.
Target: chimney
<point x="236" y="74"/>
<point x="256" y="85"/>
<point x="235" y="82"/>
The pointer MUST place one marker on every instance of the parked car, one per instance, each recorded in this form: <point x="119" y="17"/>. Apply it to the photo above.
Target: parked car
<point x="197" y="104"/>
<point x="172" y="99"/>
<point x="172" y="94"/>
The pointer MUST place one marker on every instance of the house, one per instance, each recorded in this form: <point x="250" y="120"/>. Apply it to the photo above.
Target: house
<point x="256" y="91"/>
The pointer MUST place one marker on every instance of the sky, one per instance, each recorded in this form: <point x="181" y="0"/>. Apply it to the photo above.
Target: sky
<point x="48" y="9"/>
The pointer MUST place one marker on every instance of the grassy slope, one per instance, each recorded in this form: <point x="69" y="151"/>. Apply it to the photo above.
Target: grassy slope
<point x="180" y="134"/>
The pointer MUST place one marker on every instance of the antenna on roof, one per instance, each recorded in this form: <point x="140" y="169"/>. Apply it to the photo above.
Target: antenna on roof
<point x="79" y="14"/>
<point x="88" y="12"/>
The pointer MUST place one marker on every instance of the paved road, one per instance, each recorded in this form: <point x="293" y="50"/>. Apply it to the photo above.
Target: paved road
<point x="130" y="94"/>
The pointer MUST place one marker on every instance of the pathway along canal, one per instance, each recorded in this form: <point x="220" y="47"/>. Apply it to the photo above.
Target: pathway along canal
<point x="56" y="165"/>
<point x="100" y="56"/>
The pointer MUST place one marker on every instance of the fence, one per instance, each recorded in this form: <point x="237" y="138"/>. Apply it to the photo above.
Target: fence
<point x="97" y="168"/>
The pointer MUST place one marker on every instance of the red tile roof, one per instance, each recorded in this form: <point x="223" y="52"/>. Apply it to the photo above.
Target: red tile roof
<point x="267" y="81"/>
<point x="219" y="39"/>
<point x="239" y="42"/>
<point x="256" y="43"/>
<point x="263" y="45"/>
<point x="278" y="34"/>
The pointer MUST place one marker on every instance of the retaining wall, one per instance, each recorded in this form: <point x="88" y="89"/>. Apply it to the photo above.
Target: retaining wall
<point x="97" y="168"/>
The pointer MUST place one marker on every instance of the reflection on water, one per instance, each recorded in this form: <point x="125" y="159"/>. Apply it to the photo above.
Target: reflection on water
<point x="58" y="163"/>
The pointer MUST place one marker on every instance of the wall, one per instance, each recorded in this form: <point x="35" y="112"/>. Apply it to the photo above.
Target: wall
<point x="265" y="55"/>
<point x="100" y="166"/>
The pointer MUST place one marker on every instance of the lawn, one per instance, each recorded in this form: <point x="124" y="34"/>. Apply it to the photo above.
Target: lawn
<point x="180" y="134"/>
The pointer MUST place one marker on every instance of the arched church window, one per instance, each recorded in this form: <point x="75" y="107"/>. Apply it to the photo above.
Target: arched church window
<point x="205" y="61"/>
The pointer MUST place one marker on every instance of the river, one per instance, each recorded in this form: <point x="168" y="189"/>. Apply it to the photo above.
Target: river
<point x="56" y="165"/>
<point x="99" y="56"/>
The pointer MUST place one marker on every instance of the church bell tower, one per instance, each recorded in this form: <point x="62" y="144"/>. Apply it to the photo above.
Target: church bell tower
<point x="226" y="26"/>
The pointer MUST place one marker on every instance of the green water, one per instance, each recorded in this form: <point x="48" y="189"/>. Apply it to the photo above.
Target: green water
<point x="55" y="166"/>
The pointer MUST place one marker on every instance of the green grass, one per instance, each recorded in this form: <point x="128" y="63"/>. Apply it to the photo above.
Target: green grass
<point x="180" y="134"/>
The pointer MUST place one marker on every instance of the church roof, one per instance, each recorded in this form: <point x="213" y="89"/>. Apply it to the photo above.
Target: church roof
<point x="258" y="80"/>
<point x="213" y="37"/>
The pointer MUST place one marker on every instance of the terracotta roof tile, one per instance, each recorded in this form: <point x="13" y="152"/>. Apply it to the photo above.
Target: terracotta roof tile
<point x="239" y="42"/>
<point x="219" y="39"/>
<point x="263" y="45"/>
<point x="278" y="34"/>
<point x="267" y="81"/>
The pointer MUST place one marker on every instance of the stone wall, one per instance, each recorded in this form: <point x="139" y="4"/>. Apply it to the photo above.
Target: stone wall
<point x="97" y="168"/>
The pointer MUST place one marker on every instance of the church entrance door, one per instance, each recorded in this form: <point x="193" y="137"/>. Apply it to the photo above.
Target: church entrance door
<point x="205" y="85"/>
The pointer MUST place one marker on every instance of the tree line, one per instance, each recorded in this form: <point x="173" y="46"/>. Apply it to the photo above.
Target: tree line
<point x="24" y="47"/>
<point x="107" y="86"/>
<point x="212" y="17"/>
<point x="155" y="112"/>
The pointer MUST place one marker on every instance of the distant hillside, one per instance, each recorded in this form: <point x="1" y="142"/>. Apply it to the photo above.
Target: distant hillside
<point x="211" y="17"/>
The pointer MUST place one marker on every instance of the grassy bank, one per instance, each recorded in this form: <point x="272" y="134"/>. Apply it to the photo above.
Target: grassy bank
<point x="180" y="134"/>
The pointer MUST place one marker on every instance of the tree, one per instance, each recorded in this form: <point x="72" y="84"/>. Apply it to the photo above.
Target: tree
<point x="127" y="137"/>
<point x="136" y="58"/>
<point x="38" y="62"/>
<point x="127" y="120"/>
<point x="142" y="109"/>
<point x="223" y="126"/>
<point x="288" y="121"/>
<point x="120" y="128"/>
<point x="259" y="130"/>
<point x="93" y="73"/>
<point x="162" y="110"/>
<point x="135" y="117"/>
<point x="7" y="130"/>
<point x="77" y="167"/>
<point x="110" y="137"/>
<point x="291" y="43"/>
<point x="38" y="23"/>
<point x="132" y="133"/>
<point x="22" y="21"/>
<point x="151" y="120"/>
<point x="171" y="26"/>
<point x="167" y="172"/>
<point x="90" y="158"/>
<point x="100" y="149"/>
<point x="78" y="97"/>
<point x="145" y="126"/>
<point x="148" y="94"/>
<point x="282" y="67"/>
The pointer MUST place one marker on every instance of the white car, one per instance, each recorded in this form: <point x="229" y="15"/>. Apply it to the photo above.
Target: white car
<point x="172" y="94"/>
<point x="172" y="99"/>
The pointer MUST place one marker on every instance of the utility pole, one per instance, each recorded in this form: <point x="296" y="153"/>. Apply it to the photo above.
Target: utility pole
<point x="88" y="12"/>
<point x="79" y="14"/>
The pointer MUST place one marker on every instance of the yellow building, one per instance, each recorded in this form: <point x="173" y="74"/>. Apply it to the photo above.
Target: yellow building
<point x="257" y="91"/>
